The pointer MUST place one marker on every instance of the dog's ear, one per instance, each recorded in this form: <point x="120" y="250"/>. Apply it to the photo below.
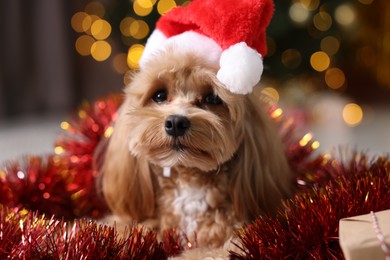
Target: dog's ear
<point x="261" y="177"/>
<point x="127" y="184"/>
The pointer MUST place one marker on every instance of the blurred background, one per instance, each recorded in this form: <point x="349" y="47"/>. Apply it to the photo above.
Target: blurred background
<point x="328" y="65"/>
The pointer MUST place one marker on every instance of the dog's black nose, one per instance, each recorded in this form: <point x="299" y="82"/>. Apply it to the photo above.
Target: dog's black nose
<point x="177" y="125"/>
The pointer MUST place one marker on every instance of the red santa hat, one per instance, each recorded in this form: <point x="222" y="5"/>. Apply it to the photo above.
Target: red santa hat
<point x="228" y="32"/>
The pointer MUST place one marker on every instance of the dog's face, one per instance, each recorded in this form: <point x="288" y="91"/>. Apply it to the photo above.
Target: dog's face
<point x="177" y="113"/>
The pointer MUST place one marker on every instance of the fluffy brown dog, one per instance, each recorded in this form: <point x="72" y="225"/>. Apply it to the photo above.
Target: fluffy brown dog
<point x="188" y="153"/>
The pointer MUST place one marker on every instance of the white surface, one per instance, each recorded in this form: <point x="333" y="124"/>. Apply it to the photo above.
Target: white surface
<point x="28" y="136"/>
<point x="372" y="135"/>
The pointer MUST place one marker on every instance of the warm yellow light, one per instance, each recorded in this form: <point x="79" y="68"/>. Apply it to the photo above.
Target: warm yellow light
<point x="100" y="29"/>
<point x="277" y="113"/>
<point x="86" y="24"/>
<point x="101" y="50"/>
<point x="272" y="93"/>
<point x="334" y="78"/>
<point x="164" y="6"/>
<point x="77" y="21"/>
<point x="76" y="195"/>
<point x="326" y="157"/>
<point x="82" y="114"/>
<point x="143" y="7"/>
<point x="95" y="8"/>
<point x="65" y="125"/>
<point x="291" y="58"/>
<point x="319" y="61"/>
<point x="311" y="5"/>
<point x="119" y="63"/>
<point x="330" y="45"/>
<point x="315" y="145"/>
<point x="322" y="21"/>
<point x="134" y="54"/>
<point x="139" y="29"/>
<point x="125" y="24"/>
<point x="134" y="27"/>
<point x="352" y="114"/>
<point x="345" y="14"/>
<point x="83" y="45"/>
<point x="298" y="13"/>
<point x="88" y="21"/>
<point x="58" y="150"/>
<point x="145" y="3"/>
<point x="305" y="139"/>
<point x="108" y="132"/>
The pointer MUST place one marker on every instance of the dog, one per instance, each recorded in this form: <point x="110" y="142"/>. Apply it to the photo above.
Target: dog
<point x="188" y="153"/>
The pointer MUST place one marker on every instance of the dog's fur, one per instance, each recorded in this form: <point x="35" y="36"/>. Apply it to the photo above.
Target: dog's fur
<point x="228" y="168"/>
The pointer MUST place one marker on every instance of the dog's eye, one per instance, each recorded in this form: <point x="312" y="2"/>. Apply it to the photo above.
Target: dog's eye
<point x="160" y="96"/>
<point x="213" y="99"/>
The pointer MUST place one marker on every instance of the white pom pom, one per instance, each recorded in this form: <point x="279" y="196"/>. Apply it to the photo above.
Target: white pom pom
<point x="241" y="68"/>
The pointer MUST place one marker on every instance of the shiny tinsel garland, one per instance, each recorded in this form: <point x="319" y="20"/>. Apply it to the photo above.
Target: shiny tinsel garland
<point x="28" y="235"/>
<point x="307" y="226"/>
<point x="40" y="198"/>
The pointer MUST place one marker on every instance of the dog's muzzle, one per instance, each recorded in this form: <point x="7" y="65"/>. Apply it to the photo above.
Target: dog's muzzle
<point x="177" y="125"/>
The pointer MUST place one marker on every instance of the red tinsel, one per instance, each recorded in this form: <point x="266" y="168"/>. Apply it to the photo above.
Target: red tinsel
<point x="83" y="141"/>
<point x="64" y="186"/>
<point x="307" y="226"/>
<point x="36" y="183"/>
<point x="27" y="235"/>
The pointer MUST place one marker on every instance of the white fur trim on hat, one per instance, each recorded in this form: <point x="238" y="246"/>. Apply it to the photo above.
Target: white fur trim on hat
<point x="154" y="43"/>
<point x="200" y="45"/>
<point x="187" y="42"/>
<point x="241" y="68"/>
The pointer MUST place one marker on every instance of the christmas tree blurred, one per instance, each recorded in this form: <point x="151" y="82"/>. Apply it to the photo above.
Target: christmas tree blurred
<point x="341" y="45"/>
<point x="337" y="46"/>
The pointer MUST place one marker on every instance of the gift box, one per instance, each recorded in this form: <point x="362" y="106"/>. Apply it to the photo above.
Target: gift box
<point x="366" y="236"/>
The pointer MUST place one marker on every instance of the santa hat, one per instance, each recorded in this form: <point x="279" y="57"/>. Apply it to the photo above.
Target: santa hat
<point x="228" y="32"/>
